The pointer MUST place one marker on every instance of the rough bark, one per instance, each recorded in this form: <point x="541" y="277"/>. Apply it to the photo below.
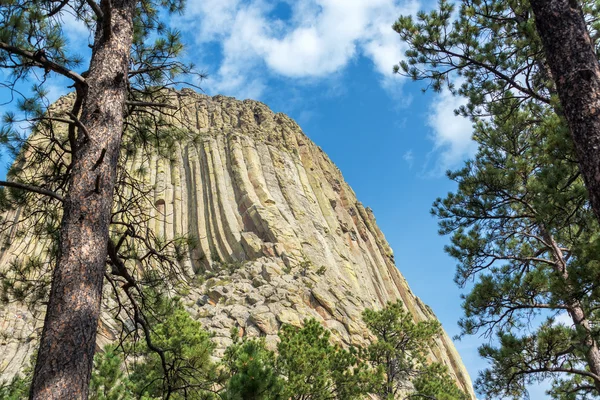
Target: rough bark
<point x="574" y="65"/>
<point x="592" y="353"/>
<point x="578" y="314"/>
<point x="65" y="358"/>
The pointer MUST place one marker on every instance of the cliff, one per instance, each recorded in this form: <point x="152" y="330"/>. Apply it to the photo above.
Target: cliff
<point x="280" y="235"/>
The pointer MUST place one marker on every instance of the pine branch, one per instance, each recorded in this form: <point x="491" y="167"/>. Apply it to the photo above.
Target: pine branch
<point x="80" y="125"/>
<point x="106" y="18"/>
<point x="73" y="120"/>
<point x="138" y="317"/>
<point x="150" y="104"/>
<point x="43" y="62"/>
<point x="34" y="189"/>
<point x="58" y="8"/>
<point x="96" y="9"/>
<point x="150" y="69"/>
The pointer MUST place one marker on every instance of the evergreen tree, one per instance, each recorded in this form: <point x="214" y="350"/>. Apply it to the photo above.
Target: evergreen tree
<point x="313" y="368"/>
<point x="573" y="61"/>
<point x="109" y="381"/>
<point x="521" y="223"/>
<point x="183" y="369"/>
<point x="131" y="59"/>
<point x="252" y="371"/>
<point x="434" y="382"/>
<point x="400" y="351"/>
<point x="522" y="228"/>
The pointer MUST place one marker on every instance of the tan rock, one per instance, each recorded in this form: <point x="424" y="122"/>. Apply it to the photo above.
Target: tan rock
<point x="271" y="270"/>
<point x="288" y="316"/>
<point x="270" y="206"/>
<point x="265" y="321"/>
<point x="252" y="245"/>
<point x="325" y="300"/>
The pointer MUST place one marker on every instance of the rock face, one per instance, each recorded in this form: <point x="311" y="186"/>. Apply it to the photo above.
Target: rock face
<point x="281" y="236"/>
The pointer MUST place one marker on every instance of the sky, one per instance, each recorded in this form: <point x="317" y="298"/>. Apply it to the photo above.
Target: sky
<point x="328" y="64"/>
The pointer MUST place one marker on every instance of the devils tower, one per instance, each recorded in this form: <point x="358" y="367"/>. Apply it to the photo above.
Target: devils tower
<point x="280" y="235"/>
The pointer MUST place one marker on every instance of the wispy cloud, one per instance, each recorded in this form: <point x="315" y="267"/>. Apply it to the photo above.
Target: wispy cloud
<point x="451" y="134"/>
<point x="563" y="319"/>
<point x="409" y="158"/>
<point x="319" y="38"/>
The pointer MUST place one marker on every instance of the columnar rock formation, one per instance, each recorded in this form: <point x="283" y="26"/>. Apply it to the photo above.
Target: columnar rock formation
<point x="279" y="232"/>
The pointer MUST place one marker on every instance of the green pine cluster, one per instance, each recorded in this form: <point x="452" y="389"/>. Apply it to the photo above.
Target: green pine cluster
<point x="306" y="365"/>
<point x="520" y="222"/>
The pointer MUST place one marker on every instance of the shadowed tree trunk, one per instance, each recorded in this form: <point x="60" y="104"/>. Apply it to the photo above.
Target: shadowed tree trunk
<point x="577" y="312"/>
<point x="65" y="357"/>
<point x="574" y="65"/>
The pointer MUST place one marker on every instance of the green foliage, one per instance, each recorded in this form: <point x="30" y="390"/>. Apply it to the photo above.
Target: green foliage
<point x="401" y="346"/>
<point x="435" y="382"/>
<point x="400" y="351"/>
<point x="109" y="381"/>
<point x="316" y="369"/>
<point x="549" y="345"/>
<point x="252" y="372"/>
<point x="177" y="360"/>
<point x="321" y="270"/>
<point x="305" y="266"/>
<point x="520" y="222"/>
<point x="522" y="228"/>
<point x="307" y="365"/>
<point x="16" y="389"/>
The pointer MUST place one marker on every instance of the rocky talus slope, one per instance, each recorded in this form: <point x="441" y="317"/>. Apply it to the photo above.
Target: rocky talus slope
<point x="280" y="234"/>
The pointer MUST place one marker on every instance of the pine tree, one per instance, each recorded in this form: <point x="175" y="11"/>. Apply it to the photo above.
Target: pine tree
<point x="125" y="72"/>
<point x="252" y="371"/>
<point x="400" y="351"/>
<point x="313" y="368"/>
<point x="109" y="381"/>
<point x="572" y="58"/>
<point x="521" y="222"/>
<point x="522" y="228"/>
<point x="184" y="368"/>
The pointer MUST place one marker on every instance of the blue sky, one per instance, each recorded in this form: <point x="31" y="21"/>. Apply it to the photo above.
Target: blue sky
<point x="328" y="64"/>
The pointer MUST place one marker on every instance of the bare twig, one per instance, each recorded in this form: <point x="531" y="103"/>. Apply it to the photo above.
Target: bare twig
<point x="150" y="104"/>
<point x="80" y="125"/>
<point x="96" y="9"/>
<point x="34" y="189"/>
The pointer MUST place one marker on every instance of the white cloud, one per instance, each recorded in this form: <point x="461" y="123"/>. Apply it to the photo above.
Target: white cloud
<point x="563" y="319"/>
<point x="77" y="33"/>
<point x="409" y="158"/>
<point x="451" y="133"/>
<point x="55" y="90"/>
<point x="320" y="38"/>
<point x="217" y="17"/>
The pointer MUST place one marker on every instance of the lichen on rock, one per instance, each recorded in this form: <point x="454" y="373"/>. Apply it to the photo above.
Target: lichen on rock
<point x="277" y="227"/>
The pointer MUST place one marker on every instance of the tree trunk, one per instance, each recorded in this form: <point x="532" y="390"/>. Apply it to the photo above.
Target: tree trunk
<point x="592" y="353"/>
<point x="577" y="312"/>
<point x="65" y="358"/>
<point x="574" y="65"/>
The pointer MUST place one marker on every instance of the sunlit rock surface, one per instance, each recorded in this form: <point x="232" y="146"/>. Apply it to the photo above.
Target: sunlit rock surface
<point x="281" y="233"/>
